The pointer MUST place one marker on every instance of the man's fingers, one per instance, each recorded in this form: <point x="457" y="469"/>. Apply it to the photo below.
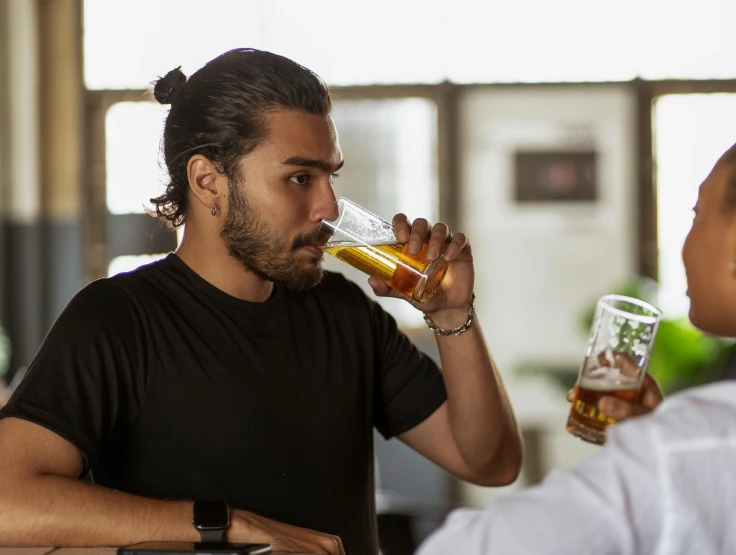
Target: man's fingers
<point x="332" y="545"/>
<point x="382" y="289"/>
<point x="439" y="235"/>
<point x="457" y="245"/>
<point x="340" y="548"/>
<point x="419" y="230"/>
<point x="402" y="227"/>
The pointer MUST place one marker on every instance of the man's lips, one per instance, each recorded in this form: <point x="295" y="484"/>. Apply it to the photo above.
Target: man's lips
<point x="314" y="249"/>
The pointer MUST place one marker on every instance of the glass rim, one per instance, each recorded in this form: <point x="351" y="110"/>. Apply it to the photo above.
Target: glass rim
<point x="332" y="227"/>
<point x="655" y="316"/>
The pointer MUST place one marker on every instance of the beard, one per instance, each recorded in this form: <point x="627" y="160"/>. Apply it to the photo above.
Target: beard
<point x="256" y="245"/>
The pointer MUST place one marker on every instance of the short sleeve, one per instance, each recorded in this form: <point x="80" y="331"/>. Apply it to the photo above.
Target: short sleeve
<point x="87" y="381"/>
<point x="410" y="386"/>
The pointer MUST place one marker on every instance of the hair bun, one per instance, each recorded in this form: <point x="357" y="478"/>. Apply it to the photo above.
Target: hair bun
<point x="168" y="86"/>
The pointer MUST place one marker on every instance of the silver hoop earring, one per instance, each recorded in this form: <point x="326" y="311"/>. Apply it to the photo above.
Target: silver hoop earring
<point x="214" y="210"/>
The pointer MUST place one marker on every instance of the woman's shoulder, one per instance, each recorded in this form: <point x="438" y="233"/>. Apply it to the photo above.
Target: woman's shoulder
<point x="704" y="415"/>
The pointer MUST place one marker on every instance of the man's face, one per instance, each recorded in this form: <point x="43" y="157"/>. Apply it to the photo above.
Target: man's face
<point x="708" y="252"/>
<point x="285" y="189"/>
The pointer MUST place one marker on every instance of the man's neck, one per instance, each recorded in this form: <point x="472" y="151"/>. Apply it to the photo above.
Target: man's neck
<point x="211" y="260"/>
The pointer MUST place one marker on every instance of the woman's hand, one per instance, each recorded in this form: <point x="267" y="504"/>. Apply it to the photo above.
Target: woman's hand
<point x="650" y="396"/>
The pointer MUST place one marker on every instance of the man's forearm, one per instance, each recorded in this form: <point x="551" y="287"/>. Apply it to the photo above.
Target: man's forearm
<point x="52" y="510"/>
<point x="61" y="511"/>
<point x="481" y="418"/>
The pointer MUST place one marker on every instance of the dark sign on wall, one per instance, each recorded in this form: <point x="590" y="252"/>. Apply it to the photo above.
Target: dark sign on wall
<point x="548" y="176"/>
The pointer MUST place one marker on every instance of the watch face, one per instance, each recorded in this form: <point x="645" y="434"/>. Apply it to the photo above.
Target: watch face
<point x="211" y="515"/>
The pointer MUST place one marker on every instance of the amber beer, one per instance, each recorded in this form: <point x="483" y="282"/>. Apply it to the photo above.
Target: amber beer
<point x="369" y="243"/>
<point x="585" y="420"/>
<point x="412" y="275"/>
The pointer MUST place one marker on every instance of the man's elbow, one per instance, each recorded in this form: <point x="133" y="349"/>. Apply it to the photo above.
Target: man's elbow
<point x="504" y="468"/>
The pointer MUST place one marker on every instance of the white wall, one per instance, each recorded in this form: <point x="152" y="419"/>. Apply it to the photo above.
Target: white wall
<point x="540" y="267"/>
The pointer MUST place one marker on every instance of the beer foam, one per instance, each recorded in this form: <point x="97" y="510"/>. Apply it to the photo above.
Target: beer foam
<point x="605" y="378"/>
<point x="357" y="244"/>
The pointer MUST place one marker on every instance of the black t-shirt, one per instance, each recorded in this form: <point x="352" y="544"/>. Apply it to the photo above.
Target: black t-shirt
<point x="171" y="388"/>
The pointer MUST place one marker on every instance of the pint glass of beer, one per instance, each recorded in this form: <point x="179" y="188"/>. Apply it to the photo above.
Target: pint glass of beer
<point x="615" y="363"/>
<point x="369" y="244"/>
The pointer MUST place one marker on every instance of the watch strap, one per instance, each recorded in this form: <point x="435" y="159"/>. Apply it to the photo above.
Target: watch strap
<point x="211" y="519"/>
<point x="212" y="536"/>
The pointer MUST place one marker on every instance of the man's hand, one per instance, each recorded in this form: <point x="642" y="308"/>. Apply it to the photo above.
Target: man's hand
<point x="251" y="528"/>
<point x="650" y="396"/>
<point x="457" y="287"/>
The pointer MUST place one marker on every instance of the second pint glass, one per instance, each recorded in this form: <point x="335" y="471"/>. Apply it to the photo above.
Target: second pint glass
<point x="615" y="363"/>
<point x="369" y="244"/>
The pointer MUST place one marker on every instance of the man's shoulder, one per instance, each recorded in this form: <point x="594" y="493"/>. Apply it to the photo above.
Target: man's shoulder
<point x="103" y="291"/>
<point x="146" y="282"/>
<point x="110" y="293"/>
<point x="142" y="273"/>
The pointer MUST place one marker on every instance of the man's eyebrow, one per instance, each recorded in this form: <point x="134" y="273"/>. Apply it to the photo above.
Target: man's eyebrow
<point x="312" y="163"/>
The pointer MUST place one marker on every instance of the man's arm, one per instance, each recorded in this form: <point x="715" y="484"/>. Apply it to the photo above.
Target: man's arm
<point x="474" y="435"/>
<point x="43" y="503"/>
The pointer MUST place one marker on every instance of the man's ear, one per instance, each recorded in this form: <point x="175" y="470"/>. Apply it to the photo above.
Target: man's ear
<point x="203" y="180"/>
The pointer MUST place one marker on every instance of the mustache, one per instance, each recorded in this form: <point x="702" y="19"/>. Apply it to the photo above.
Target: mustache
<point x="318" y="237"/>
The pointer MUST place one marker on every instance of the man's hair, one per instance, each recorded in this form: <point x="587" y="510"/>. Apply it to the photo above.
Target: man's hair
<point x="221" y="112"/>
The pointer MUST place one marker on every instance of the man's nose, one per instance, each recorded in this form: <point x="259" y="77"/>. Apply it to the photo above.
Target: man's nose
<point x="326" y="206"/>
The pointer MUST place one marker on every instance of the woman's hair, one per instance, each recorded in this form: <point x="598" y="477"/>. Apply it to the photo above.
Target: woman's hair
<point x="221" y="112"/>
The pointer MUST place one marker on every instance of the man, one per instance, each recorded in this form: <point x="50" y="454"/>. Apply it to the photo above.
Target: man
<point x="236" y="370"/>
<point x="666" y="483"/>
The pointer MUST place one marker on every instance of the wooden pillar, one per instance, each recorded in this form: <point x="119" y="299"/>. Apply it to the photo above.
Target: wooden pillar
<point x="62" y="132"/>
<point x="40" y="166"/>
<point x="21" y="210"/>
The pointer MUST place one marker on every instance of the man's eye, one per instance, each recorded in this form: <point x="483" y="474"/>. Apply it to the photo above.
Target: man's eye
<point x="302" y="179"/>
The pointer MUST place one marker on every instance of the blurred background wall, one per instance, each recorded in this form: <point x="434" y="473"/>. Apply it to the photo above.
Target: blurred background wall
<point x="567" y="138"/>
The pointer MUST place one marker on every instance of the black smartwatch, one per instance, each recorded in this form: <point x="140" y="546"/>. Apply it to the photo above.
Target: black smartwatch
<point x="211" y="519"/>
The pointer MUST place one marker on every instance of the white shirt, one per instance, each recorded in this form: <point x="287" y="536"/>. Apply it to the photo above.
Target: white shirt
<point x="665" y="484"/>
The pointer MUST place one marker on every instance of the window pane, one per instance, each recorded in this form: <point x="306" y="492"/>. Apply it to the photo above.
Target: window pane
<point x="129" y="42"/>
<point x="691" y="132"/>
<point x="133" y="133"/>
<point x="389" y="148"/>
